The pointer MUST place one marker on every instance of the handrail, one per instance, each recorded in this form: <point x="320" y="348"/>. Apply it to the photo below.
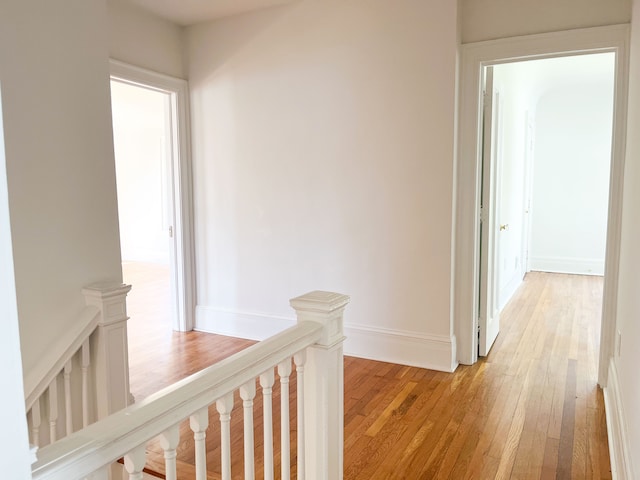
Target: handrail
<point x="51" y="363"/>
<point x="75" y="456"/>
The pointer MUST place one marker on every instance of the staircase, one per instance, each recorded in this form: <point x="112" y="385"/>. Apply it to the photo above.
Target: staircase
<point x="307" y="356"/>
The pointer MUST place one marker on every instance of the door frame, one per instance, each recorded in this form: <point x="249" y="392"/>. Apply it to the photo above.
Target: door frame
<point x="183" y="268"/>
<point x="473" y="58"/>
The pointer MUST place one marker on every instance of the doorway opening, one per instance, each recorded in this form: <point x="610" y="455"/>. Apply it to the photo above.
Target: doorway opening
<point x="474" y="58"/>
<point x="546" y="162"/>
<point x="153" y="171"/>
<point x="141" y="134"/>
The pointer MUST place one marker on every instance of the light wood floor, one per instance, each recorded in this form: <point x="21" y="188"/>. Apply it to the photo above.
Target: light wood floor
<point x="529" y="410"/>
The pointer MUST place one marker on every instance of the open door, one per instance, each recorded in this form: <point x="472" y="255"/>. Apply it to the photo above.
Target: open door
<point x="489" y="312"/>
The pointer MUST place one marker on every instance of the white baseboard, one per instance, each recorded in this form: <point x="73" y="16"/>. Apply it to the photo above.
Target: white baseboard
<point x="621" y="468"/>
<point x="435" y="352"/>
<point x="510" y="288"/>
<point x="578" y="266"/>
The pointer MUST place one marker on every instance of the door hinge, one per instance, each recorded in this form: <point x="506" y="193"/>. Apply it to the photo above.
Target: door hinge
<point x="171" y="232"/>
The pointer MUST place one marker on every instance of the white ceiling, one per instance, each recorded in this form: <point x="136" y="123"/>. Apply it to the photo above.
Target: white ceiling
<point x="189" y="12"/>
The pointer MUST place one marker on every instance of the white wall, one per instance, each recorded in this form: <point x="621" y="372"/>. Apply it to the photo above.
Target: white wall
<point x="142" y="143"/>
<point x="60" y="166"/>
<point x="14" y="441"/>
<point x="571" y="178"/>
<point x="491" y="19"/>
<point x="323" y="159"/>
<point x="627" y="388"/>
<point x="140" y="38"/>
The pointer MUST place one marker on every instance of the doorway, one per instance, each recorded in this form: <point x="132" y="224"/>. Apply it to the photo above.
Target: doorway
<point x="546" y="171"/>
<point x="153" y="172"/>
<point x="474" y="57"/>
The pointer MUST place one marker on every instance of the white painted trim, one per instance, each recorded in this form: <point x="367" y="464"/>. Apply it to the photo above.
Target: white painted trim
<point x="183" y="184"/>
<point x="619" y="448"/>
<point x="436" y="352"/>
<point x="232" y="323"/>
<point x="510" y="288"/>
<point x="577" y="266"/>
<point x="474" y="57"/>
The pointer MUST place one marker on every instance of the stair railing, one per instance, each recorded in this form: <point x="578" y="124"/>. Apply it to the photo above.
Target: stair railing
<point x="314" y="344"/>
<point x="84" y="374"/>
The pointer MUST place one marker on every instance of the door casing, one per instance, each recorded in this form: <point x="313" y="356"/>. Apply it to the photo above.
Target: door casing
<point x="183" y="271"/>
<point x="473" y="58"/>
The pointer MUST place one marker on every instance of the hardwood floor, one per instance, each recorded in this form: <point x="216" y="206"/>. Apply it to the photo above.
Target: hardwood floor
<point x="530" y="410"/>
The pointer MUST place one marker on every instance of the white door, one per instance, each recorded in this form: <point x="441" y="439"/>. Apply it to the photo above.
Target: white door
<point x="489" y="312"/>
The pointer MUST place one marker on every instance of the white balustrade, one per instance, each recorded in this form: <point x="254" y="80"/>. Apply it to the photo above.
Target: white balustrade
<point x="169" y="440"/>
<point x="299" y="359"/>
<point x="284" y="370"/>
<point x="199" y="421"/>
<point x="50" y="393"/>
<point x="247" y="394"/>
<point x="314" y="344"/>
<point x="68" y="403"/>
<point x="267" y="380"/>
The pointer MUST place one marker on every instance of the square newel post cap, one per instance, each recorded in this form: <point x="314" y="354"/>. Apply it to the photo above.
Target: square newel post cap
<point x="105" y="290"/>
<point x="325" y="308"/>
<point x="110" y="299"/>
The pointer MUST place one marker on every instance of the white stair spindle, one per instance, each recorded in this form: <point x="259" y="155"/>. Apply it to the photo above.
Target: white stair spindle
<point x="224" y="406"/>
<point x="53" y="410"/>
<point x="199" y="422"/>
<point x="266" y="382"/>
<point x="300" y="359"/>
<point x="284" y="371"/>
<point x="85" y="361"/>
<point x="134" y="463"/>
<point x="248" y="393"/>
<point x="67" y="399"/>
<point x="36" y="421"/>
<point x="169" y="440"/>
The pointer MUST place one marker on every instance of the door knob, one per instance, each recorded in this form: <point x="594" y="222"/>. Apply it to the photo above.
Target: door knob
<point x="504" y="227"/>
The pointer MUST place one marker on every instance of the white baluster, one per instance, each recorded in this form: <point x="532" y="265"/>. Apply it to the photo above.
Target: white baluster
<point x="266" y="382"/>
<point x="248" y="393"/>
<point x="134" y="463"/>
<point x="85" y="361"/>
<point x="224" y="406"/>
<point x="169" y="442"/>
<point x="300" y="359"/>
<point x="53" y="410"/>
<point x="199" y="422"/>
<point x="67" y="399"/>
<point x="284" y="370"/>
<point x="36" y="421"/>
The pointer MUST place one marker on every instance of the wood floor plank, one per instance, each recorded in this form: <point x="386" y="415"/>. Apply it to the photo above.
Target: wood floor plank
<point x="531" y="409"/>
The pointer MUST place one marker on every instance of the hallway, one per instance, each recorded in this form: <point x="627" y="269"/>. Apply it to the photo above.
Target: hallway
<point x="530" y="410"/>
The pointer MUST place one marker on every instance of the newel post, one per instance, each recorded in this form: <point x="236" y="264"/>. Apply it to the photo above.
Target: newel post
<point x="110" y="347"/>
<point x="324" y="385"/>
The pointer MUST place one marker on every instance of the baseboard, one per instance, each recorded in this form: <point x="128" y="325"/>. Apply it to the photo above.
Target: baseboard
<point x="507" y="292"/>
<point x="435" y="352"/>
<point x="621" y="468"/>
<point x="577" y="266"/>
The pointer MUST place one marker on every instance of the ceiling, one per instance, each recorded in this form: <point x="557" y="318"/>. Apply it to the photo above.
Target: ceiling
<point x="189" y="12"/>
